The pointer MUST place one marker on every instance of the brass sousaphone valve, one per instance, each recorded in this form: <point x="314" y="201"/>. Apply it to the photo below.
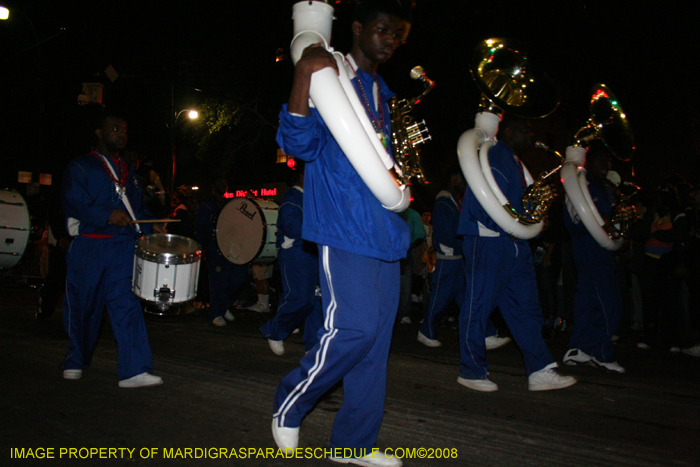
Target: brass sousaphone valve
<point x="407" y="135"/>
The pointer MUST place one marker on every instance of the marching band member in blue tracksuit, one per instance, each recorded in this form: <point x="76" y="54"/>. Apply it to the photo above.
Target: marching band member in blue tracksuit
<point x="101" y="198"/>
<point x="298" y="263"/>
<point x="360" y="245"/>
<point x="448" y="278"/>
<point x="226" y="279"/>
<point x="499" y="272"/>
<point x="598" y="300"/>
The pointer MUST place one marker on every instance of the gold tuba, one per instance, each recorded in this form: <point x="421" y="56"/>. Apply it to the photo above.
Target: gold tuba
<point x="508" y="83"/>
<point x="607" y="123"/>
<point x="406" y="134"/>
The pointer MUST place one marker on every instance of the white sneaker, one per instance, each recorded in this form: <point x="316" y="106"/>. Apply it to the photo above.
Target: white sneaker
<point x="406" y="320"/>
<point x="547" y="379"/>
<point x="141" y="381"/>
<point x="72" y="374"/>
<point x="427" y="341"/>
<point x="228" y="316"/>
<point x="612" y="367"/>
<point x="576" y="357"/>
<point x="373" y="459"/>
<point x="259" y="307"/>
<point x="693" y="351"/>
<point x="482" y="385"/>
<point x="219" y="321"/>
<point x="285" y="438"/>
<point x="276" y="346"/>
<point x="495" y="342"/>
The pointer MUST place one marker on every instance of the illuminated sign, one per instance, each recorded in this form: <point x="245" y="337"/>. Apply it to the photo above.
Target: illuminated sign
<point x="255" y="193"/>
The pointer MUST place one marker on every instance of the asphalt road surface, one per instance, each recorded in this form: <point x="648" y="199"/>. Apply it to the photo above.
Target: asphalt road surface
<point x="219" y="385"/>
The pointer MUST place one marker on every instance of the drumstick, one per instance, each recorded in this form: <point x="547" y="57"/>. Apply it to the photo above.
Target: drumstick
<point x="156" y="221"/>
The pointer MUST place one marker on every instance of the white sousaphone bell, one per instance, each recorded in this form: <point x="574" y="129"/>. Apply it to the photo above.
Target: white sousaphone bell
<point x="607" y="123"/>
<point x="505" y="76"/>
<point x="333" y="95"/>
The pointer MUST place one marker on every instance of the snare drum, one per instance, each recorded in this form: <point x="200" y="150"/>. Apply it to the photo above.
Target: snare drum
<point x="166" y="269"/>
<point x="246" y="231"/>
<point x="14" y="228"/>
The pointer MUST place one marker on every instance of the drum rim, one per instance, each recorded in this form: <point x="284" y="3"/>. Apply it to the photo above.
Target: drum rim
<point x="168" y="258"/>
<point x="264" y="232"/>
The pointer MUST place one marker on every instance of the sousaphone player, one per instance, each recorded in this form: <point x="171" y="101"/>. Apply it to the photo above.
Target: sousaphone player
<point x="499" y="268"/>
<point x="594" y="239"/>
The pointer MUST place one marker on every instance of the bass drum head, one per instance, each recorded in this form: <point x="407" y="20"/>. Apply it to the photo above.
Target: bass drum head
<point x="242" y="230"/>
<point x="14" y="228"/>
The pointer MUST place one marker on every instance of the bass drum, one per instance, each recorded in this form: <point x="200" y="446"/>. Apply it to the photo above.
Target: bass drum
<point x="246" y="231"/>
<point x="14" y="228"/>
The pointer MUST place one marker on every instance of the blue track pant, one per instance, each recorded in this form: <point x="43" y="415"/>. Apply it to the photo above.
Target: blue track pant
<point x="500" y="272"/>
<point x="360" y="299"/>
<point x="299" y="271"/>
<point x="447" y="285"/>
<point x="597" y="312"/>
<point x="99" y="274"/>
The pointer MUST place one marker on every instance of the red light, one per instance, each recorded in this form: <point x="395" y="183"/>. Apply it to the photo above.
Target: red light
<point x="291" y="163"/>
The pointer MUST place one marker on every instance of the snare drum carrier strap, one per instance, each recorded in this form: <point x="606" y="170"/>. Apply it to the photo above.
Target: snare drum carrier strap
<point x="119" y="187"/>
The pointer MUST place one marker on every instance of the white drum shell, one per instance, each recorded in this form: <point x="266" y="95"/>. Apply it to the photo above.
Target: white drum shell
<point x="150" y="277"/>
<point x="14" y="228"/>
<point x="166" y="262"/>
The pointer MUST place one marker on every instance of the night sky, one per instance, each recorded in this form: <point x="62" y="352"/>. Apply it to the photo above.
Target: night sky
<point x="187" y="53"/>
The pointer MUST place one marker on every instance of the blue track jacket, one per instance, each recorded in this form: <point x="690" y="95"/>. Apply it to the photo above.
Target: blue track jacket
<point x="339" y="210"/>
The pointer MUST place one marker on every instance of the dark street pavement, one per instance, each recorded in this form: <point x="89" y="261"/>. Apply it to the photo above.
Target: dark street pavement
<point x="219" y="385"/>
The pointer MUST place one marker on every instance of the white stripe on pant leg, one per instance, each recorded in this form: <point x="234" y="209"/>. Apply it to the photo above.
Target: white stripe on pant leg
<point x="327" y="337"/>
<point x="471" y="305"/>
<point x="285" y="297"/>
<point x="436" y="291"/>
<point x="330" y="315"/>
<point x="605" y="314"/>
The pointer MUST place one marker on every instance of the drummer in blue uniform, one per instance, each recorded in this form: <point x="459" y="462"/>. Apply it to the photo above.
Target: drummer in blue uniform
<point x="101" y="199"/>
<point x="226" y="279"/>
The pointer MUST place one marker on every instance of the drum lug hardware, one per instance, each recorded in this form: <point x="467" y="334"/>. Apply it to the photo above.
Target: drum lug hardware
<point x="164" y="295"/>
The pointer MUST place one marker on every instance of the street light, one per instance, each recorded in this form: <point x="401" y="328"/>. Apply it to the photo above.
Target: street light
<point x="4" y="13"/>
<point x="192" y="115"/>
